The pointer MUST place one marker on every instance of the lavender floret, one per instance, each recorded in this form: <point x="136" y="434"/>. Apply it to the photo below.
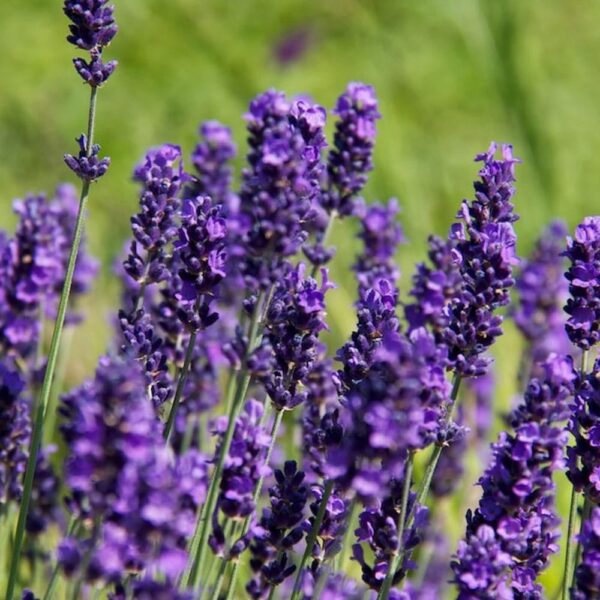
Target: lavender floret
<point x="583" y="305"/>
<point x="587" y="573"/>
<point x="87" y="165"/>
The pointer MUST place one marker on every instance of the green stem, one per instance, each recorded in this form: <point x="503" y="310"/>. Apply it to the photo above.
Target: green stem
<point x="189" y="354"/>
<point x="312" y="537"/>
<point x="257" y="491"/>
<point x="56" y="570"/>
<point x="38" y="422"/>
<point x="199" y="543"/>
<point x="570" y="556"/>
<point x="569" y="566"/>
<point x="220" y="579"/>
<point x="343" y="555"/>
<point x="396" y="561"/>
<point x="437" y="451"/>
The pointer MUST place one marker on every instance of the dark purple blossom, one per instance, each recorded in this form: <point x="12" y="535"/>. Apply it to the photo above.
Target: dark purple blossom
<point x="201" y="257"/>
<point x="378" y="528"/>
<point x="395" y="409"/>
<point x="516" y="515"/>
<point x="584" y="425"/>
<point x="294" y="320"/>
<point x="279" y="184"/>
<point x="45" y="498"/>
<point x="376" y="313"/>
<point x="586" y="583"/>
<point x="279" y="530"/>
<point x="211" y="159"/>
<point x="142" y="344"/>
<point x="381" y="235"/>
<point x="485" y="241"/>
<point x="121" y="474"/>
<point x="244" y="466"/>
<point x="351" y="158"/>
<point x="87" y="165"/>
<point x="31" y="270"/>
<point x="542" y="292"/>
<point x="15" y="430"/>
<point x="92" y="28"/>
<point x="434" y="286"/>
<point x="161" y="177"/>
<point x="583" y="305"/>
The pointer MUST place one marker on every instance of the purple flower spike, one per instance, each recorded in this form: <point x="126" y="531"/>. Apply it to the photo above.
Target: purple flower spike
<point x="279" y="530"/>
<point x="351" y="158"/>
<point x="381" y="235"/>
<point x="161" y="177"/>
<point x="87" y="166"/>
<point x="244" y="466"/>
<point x="290" y="347"/>
<point x="15" y="430"/>
<point x="200" y="252"/>
<point x="485" y="242"/>
<point x="280" y="183"/>
<point x="92" y="28"/>
<point x="583" y="464"/>
<point x="587" y="574"/>
<point x="512" y="534"/>
<point x="542" y="291"/>
<point x="378" y="527"/>
<point x="395" y="409"/>
<point x="93" y="23"/>
<point x="211" y="159"/>
<point x="583" y="306"/>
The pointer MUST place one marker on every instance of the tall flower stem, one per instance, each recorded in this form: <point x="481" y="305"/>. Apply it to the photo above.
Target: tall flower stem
<point x="42" y="403"/>
<point x="343" y="555"/>
<point x="257" y="491"/>
<point x="437" y="451"/>
<point x="395" y="563"/>
<point x="312" y="536"/>
<point x="189" y="354"/>
<point x="569" y="554"/>
<point x="199" y="543"/>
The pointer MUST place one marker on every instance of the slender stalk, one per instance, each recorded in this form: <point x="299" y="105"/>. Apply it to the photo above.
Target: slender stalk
<point x="312" y="536"/>
<point x="343" y="555"/>
<point x="199" y="543"/>
<point x="56" y="569"/>
<point x="328" y="230"/>
<point x="189" y="354"/>
<point x="437" y="451"/>
<point x="220" y="579"/>
<point x="257" y="491"/>
<point x="397" y="559"/>
<point x="570" y="556"/>
<point x="569" y="566"/>
<point x="40" y="413"/>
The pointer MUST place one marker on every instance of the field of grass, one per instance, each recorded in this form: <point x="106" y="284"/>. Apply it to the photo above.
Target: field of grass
<point x="450" y="76"/>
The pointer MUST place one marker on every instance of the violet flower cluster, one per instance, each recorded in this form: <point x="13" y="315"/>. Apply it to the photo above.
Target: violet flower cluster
<point x="542" y="290"/>
<point x="513" y="532"/>
<point x="583" y="304"/>
<point x="92" y="28"/>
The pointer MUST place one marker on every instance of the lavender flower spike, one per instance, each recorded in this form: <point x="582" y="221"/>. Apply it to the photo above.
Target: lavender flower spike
<point x="86" y="165"/>
<point x="161" y="177"/>
<point x="485" y="241"/>
<point x="92" y="28"/>
<point x="351" y="158"/>
<point x="587" y="575"/>
<point x="512" y="534"/>
<point x="583" y="306"/>
<point x="542" y="289"/>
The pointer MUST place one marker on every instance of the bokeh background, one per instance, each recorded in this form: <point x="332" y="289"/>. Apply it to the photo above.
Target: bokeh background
<point x="450" y="76"/>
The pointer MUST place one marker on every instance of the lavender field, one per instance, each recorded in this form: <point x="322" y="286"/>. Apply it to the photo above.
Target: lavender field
<point x="279" y="320"/>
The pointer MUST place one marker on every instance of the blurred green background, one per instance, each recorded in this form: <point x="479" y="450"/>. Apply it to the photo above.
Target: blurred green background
<point x="450" y="76"/>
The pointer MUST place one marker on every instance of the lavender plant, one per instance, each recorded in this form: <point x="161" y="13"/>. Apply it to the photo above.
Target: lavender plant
<point x="223" y="448"/>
